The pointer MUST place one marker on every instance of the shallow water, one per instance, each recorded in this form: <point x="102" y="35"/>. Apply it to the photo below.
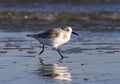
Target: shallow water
<point x="93" y="58"/>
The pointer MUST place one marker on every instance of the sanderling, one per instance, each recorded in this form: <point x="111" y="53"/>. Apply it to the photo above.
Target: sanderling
<point x="54" y="37"/>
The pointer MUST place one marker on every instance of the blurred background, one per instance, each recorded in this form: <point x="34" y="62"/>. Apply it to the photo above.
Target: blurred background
<point x="94" y="55"/>
<point x="82" y="15"/>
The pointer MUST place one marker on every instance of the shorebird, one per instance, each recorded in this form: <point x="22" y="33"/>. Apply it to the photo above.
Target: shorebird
<point x="54" y="37"/>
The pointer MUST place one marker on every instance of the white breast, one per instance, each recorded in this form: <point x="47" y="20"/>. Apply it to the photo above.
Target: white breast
<point x="62" y="39"/>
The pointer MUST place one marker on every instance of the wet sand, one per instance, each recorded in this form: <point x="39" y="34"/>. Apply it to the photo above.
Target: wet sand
<point x="94" y="57"/>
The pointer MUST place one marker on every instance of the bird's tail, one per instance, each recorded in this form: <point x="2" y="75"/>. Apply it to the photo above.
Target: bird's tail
<point x="29" y="36"/>
<point x="33" y="36"/>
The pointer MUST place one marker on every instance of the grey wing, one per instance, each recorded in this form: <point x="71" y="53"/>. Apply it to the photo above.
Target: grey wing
<point x="51" y="33"/>
<point x="46" y="34"/>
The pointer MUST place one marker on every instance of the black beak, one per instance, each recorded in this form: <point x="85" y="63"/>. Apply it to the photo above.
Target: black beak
<point x="75" y="33"/>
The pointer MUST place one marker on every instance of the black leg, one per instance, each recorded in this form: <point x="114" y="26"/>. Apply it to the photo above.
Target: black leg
<point x="42" y="50"/>
<point x="61" y="54"/>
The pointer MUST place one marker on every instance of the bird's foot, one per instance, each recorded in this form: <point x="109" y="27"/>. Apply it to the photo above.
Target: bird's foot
<point x="60" y="60"/>
<point x="62" y="57"/>
<point x="65" y="57"/>
<point x="41" y="60"/>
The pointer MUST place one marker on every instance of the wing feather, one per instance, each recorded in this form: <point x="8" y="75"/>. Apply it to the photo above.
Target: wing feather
<point x="51" y="33"/>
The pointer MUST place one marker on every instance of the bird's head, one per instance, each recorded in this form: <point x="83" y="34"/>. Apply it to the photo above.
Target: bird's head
<point x="68" y="29"/>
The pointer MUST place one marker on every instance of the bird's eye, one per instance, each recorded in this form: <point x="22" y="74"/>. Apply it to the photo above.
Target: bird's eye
<point x="67" y="30"/>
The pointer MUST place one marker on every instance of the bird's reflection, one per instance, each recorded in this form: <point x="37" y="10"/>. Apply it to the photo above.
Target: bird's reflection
<point x="54" y="71"/>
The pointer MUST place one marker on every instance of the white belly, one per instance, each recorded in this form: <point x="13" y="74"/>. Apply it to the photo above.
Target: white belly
<point x="45" y="41"/>
<point x="54" y="42"/>
<point x="59" y="41"/>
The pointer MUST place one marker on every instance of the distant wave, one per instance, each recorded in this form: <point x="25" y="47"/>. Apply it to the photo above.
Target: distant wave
<point x="8" y="2"/>
<point x="86" y="15"/>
